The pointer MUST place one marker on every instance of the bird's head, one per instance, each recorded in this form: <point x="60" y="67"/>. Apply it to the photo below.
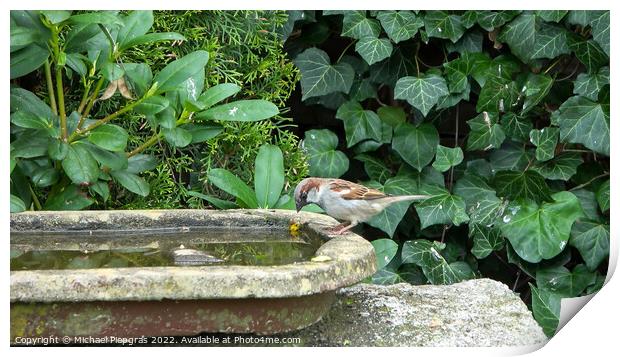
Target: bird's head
<point x="306" y="192"/>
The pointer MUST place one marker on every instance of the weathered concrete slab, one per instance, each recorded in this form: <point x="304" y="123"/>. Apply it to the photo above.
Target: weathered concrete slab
<point x="480" y="312"/>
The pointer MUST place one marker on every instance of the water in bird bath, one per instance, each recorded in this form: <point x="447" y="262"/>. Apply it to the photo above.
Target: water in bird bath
<point x="160" y="247"/>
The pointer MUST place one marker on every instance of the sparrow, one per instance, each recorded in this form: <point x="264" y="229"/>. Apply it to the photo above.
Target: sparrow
<point x="346" y="201"/>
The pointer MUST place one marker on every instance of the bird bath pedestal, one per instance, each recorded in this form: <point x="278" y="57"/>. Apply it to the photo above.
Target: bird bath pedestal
<point x="177" y="300"/>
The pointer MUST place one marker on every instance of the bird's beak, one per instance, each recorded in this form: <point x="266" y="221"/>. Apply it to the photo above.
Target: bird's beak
<point x="299" y="206"/>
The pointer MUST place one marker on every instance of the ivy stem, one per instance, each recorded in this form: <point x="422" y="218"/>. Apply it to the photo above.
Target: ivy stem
<point x="61" y="103"/>
<point x="152" y="140"/>
<point x="456" y="143"/>
<point x="106" y="119"/>
<point x="345" y="51"/>
<point x="552" y="65"/>
<point x="35" y="200"/>
<point x="91" y="102"/>
<point x="50" y="87"/>
<point x="590" y="181"/>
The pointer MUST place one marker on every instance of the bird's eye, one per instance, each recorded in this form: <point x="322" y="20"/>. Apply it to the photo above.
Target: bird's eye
<point x="304" y="195"/>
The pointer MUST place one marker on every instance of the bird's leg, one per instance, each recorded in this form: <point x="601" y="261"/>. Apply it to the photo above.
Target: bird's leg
<point x="344" y="228"/>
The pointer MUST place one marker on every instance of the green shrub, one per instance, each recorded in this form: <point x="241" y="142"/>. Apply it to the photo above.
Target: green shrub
<point x="501" y="116"/>
<point x="64" y="158"/>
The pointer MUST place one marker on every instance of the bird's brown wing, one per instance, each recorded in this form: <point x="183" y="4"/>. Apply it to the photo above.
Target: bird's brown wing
<point x="352" y="191"/>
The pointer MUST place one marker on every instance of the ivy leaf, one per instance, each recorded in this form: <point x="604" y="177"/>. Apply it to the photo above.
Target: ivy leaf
<point x="490" y="20"/>
<point x="592" y="241"/>
<point x="563" y="167"/>
<point x="131" y="182"/>
<point x="536" y="89"/>
<point x="359" y="124"/>
<point x="546" y="308"/>
<point x="441" y="208"/>
<point x="528" y="185"/>
<point x="319" y="77"/>
<point x="485" y="132"/>
<point x="545" y="141"/>
<point x="541" y="232"/>
<point x="602" y="196"/>
<point x="421" y="92"/>
<point x="563" y="282"/>
<point x="446" y="157"/>
<point x="471" y="42"/>
<point x="456" y="74"/>
<point x="400" y="25"/>
<point x="486" y="240"/>
<point x="600" y="29"/>
<point x="373" y="49"/>
<point x="551" y="15"/>
<point x="388" y="219"/>
<point x="400" y="64"/>
<point x="375" y="168"/>
<point x="440" y="24"/>
<point x="392" y="115"/>
<point x="551" y="41"/>
<point x="583" y="121"/>
<point x="516" y="126"/>
<point x="587" y="199"/>
<point x="589" y="84"/>
<point x="425" y="254"/>
<point x="355" y="24"/>
<point x="497" y="95"/>
<point x="385" y="251"/>
<point x="588" y="52"/>
<point x="483" y="205"/>
<point x="416" y="145"/>
<point x="323" y="158"/>
<point x="520" y="35"/>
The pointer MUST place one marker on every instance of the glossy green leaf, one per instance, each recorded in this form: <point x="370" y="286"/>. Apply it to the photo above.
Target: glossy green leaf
<point x="375" y="168"/>
<point x="22" y="37"/>
<point x="70" y="198"/>
<point x="400" y="25"/>
<point x="592" y="241"/>
<point x="137" y="23"/>
<point x="600" y="29"/>
<point x="446" y="157"/>
<point x="57" y="149"/>
<point x="180" y="70"/>
<point x="564" y="282"/>
<point x="551" y="15"/>
<point x="268" y="175"/>
<point x="416" y="145"/>
<point x="110" y="159"/>
<point x="45" y="177"/>
<point x="527" y="184"/>
<point x="153" y="37"/>
<point x="131" y="182"/>
<point x="516" y="126"/>
<point x="589" y="53"/>
<point x="139" y="76"/>
<point x="392" y="115"/>
<point x="441" y="24"/>
<point x="546" y="308"/>
<point x="178" y="137"/>
<point x="497" y="95"/>
<point x="551" y="41"/>
<point x="483" y="205"/>
<point x="388" y="219"/>
<point x="589" y="84"/>
<point x="241" y="110"/>
<point x="319" y="77"/>
<point x="27" y="60"/>
<point x="17" y="205"/>
<point x="602" y="196"/>
<point x="202" y="133"/>
<point x="490" y="20"/>
<point x="373" y="49"/>
<point x="323" y="158"/>
<point x="110" y="137"/>
<point x="421" y="92"/>
<point x="562" y="167"/>
<point x="99" y="17"/>
<point x="536" y="89"/>
<point x="30" y="120"/>
<point x="441" y="208"/>
<point x="385" y="251"/>
<point x="80" y="165"/>
<point x="219" y="203"/>
<point x="545" y="140"/>
<point x="152" y="105"/>
<point x="486" y="240"/>
<point x="231" y="184"/>
<point x="485" y="133"/>
<point x="30" y="144"/>
<point x="102" y="189"/>
<point x="538" y="232"/>
<point x="218" y="93"/>
<point x="112" y="71"/>
<point x="355" y="24"/>
<point x="585" y="122"/>
<point x="359" y="124"/>
<point x="425" y="254"/>
<point x="587" y="199"/>
<point x="520" y="35"/>
<point x="140" y="163"/>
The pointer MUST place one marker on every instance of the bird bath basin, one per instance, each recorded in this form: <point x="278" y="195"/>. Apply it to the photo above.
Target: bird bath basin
<point x="176" y="272"/>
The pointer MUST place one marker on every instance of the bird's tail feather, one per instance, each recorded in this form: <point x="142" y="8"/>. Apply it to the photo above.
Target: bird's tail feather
<point x="409" y="198"/>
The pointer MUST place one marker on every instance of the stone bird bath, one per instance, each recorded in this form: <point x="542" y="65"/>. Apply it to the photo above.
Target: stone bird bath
<point x="177" y="300"/>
